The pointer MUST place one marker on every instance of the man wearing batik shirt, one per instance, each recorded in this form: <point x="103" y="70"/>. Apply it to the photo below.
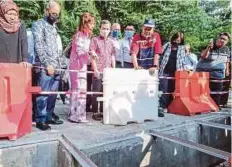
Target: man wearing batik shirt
<point x="145" y="49"/>
<point x="103" y="52"/>
<point x="47" y="57"/>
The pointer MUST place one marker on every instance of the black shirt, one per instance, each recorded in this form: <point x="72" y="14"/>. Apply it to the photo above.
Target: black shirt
<point x="14" y="46"/>
<point x="170" y="67"/>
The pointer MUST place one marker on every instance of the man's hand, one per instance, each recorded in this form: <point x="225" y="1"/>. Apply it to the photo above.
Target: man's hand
<point x="97" y="74"/>
<point x="210" y="46"/>
<point x="51" y="70"/>
<point x="227" y="73"/>
<point x="152" y="70"/>
<point x="138" y="68"/>
<point x="26" y="64"/>
<point x="93" y="55"/>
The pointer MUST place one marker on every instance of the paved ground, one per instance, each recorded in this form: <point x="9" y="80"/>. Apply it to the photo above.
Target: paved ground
<point x="95" y="133"/>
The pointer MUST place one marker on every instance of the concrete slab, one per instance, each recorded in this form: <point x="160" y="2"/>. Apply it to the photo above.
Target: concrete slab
<point x="96" y="133"/>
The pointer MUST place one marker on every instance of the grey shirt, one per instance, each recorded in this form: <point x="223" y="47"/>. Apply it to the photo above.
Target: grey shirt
<point x="215" y="63"/>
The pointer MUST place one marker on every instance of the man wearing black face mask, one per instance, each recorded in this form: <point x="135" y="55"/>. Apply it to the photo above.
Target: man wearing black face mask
<point x="47" y="56"/>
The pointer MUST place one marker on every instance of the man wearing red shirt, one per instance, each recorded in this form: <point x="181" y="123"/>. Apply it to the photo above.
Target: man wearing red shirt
<point x="102" y="50"/>
<point x="145" y="49"/>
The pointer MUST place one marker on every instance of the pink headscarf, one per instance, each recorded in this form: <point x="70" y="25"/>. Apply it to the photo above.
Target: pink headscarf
<point x="9" y="26"/>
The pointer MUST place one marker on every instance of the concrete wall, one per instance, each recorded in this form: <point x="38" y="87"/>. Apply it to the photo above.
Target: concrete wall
<point x="65" y="159"/>
<point x="128" y="153"/>
<point x="34" y="155"/>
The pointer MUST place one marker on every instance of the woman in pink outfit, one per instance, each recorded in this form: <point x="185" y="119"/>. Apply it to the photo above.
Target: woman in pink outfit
<point x="79" y="60"/>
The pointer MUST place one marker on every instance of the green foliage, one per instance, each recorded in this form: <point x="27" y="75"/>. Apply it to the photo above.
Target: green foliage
<point x="200" y="20"/>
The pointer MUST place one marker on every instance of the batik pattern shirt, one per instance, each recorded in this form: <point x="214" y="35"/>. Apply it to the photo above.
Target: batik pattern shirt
<point x="105" y="51"/>
<point x="46" y="47"/>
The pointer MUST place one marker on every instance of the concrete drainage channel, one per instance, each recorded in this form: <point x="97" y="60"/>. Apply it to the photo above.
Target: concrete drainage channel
<point x="204" y="143"/>
<point x="197" y="144"/>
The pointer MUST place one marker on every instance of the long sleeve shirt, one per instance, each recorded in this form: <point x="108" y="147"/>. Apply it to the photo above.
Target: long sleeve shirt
<point x="125" y="45"/>
<point x="105" y="50"/>
<point x="117" y="44"/>
<point x="14" y="46"/>
<point x="190" y="62"/>
<point x="46" y="47"/>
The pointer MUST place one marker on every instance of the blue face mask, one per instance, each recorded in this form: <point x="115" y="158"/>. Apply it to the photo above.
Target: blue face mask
<point x="129" y="34"/>
<point x="115" y="34"/>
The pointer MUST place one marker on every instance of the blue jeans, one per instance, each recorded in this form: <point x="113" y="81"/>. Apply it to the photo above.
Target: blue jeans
<point x="45" y="104"/>
<point x="166" y="86"/>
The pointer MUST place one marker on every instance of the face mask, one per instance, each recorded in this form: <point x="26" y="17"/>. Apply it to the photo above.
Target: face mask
<point x="115" y="34"/>
<point x="104" y="33"/>
<point x="52" y="18"/>
<point x="129" y="34"/>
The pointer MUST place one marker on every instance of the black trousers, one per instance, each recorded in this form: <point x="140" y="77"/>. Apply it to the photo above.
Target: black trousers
<point x="97" y="87"/>
<point x="216" y="87"/>
<point x="166" y="86"/>
<point x="226" y="87"/>
<point x="89" y="89"/>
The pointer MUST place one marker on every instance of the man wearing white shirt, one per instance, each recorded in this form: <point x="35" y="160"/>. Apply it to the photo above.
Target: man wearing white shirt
<point x="125" y="44"/>
<point x="115" y="34"/>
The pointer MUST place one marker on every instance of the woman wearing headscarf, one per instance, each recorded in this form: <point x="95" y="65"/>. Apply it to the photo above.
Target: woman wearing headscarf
<point x="13" y="37"/>
<point x="78" y="61"/>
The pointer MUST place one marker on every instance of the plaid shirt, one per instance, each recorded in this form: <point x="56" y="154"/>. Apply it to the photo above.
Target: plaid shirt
<point x="166" y="54"/>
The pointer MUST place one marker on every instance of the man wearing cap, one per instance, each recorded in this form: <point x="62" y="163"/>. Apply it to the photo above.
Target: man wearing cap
<point x="145" y="49"/>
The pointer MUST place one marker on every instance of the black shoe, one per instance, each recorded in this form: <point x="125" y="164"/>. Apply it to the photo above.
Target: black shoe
<point x="55" y="117"/>
<point x="97" y="117"/>
<point x="55" y="122"/>
<point x="43" y="126"/>
<point x="160" y="114"/>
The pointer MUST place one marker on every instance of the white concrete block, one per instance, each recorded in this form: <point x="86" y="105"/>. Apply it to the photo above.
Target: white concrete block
<point x="129" y="95"/>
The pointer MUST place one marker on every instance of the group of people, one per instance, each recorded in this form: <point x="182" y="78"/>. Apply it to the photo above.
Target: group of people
<point x="95" y="53"/>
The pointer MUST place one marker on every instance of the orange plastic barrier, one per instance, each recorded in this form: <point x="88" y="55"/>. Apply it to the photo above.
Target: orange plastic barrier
<point x="15" y="100"/>
<point x="192" y="94"/>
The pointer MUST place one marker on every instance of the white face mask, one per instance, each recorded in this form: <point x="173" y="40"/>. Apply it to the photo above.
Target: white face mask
<point x="104" y="33"/>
